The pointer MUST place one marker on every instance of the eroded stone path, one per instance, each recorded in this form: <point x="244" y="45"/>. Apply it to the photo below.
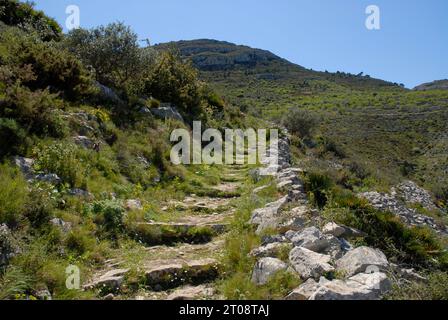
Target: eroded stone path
<point x="182" y="254"/>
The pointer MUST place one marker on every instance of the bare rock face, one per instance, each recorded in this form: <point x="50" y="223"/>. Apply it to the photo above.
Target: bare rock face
<point x="25" y="165"/>
<point x="268" y="217"/>
<point x="362" y="259"/>
<point x="192" y="293"/>
<point x="309" y="264"/>
<point x="266" y="268"/>
<point x="171" y="274"/>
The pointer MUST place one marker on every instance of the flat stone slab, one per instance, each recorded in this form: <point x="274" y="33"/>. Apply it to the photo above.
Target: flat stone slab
<point x="164" y="274"/>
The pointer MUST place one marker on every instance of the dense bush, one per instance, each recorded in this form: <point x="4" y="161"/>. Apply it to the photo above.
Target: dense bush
<point x="318" y="186"/>
<point x="109" y="216"/>
<point x="13" y="195"/>
<point x="23" y="15"/>
<point x="112" y="51"/>
<point x="172" y="80"/>
<point x="41" y="65"/>
<point x="11" y="136"/>
<point x="300" y="122"/>
<point x="64" y="160"/>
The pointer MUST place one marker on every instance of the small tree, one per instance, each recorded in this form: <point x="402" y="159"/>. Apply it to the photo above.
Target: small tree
<point x="112" y="51"/>
<point x="300" y="122"/>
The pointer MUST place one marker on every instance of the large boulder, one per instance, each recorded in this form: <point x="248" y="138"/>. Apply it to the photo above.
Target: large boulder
<point x="108" y="94"/>
<point x="361" y="259"/>
<point x="265" y="268"/>
<point x="360" y="287"/>
<point x="309" y="264"/>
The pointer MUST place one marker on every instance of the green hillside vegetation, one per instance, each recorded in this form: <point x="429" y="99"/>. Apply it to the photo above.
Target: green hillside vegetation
<point x="392" y="132"/>
<point x="49" y="94"/>
<point x="80" y="106"/>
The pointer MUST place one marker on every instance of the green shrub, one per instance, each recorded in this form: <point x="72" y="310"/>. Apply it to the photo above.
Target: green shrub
<point x="318" y="185"/>
<point x="13" y="195"/>
<point x="63" y="159"/>
<point x="14" y="283"/>
<point x="111" y="213"/>
<point x="300" y="122"/>
<point x="436" y="288"/>
<point x="171" y="80"/>
<point x="39" y="207"/>
<point x="42" y="65"/>
<point x="11" y="136"/>
<point x="112" y="51"/>
<point x="15" y="13"/>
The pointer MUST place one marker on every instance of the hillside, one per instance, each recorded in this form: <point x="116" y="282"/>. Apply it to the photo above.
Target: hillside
<point x="376" y="124"/>
<point x="92" y="206"/>
<point x="435" y="85"/>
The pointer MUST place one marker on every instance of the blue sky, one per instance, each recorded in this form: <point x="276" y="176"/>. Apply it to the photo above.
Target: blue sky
<point x="411" y="47"/>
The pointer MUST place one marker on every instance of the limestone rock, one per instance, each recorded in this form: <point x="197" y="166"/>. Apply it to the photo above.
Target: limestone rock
<point x="312" y="239"/>
<point x="8" y="246"/>
<point x="266" y="268"/>
<point x="50" y="178"/>
<point x="25" y="165"/>
<point x="112" y="280"/>
<point x="305" y="291"/>
<point x="361" y="287"/>
<point x="360" y="259"/>
<point x="167" y="111"/>
<point x="309" y="264"/>
<point x="342" y="231"/>
<point x="133" y="204"/>
<point x="64" y="226"/>
<point x="270" y="250"/>
<point x="84" y="142"/>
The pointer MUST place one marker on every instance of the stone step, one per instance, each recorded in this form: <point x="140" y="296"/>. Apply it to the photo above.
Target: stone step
<point x="168" y="274"/>
<point x="194" y="230"/>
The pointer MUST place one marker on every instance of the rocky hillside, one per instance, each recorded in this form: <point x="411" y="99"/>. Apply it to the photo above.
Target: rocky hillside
<point x="356" y="207"/>
<point x="435" y="85"/>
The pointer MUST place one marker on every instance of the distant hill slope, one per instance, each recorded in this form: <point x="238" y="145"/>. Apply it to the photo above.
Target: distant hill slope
<point x="214" y="57"/>
<point x="390" y="130"/>
<point x="434" y="85"/>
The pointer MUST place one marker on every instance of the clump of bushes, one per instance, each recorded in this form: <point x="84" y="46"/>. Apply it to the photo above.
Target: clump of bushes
<point x="318" y="186"/>
<point x="13" y="195"/>
<point x="300" y="122"/>
<point x="108" y="215"/>
<point x="23" y="14"/>
<point x="63" y="159"/>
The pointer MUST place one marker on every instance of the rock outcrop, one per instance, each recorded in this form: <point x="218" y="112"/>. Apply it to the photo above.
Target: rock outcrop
<point x="317" y="254"/>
